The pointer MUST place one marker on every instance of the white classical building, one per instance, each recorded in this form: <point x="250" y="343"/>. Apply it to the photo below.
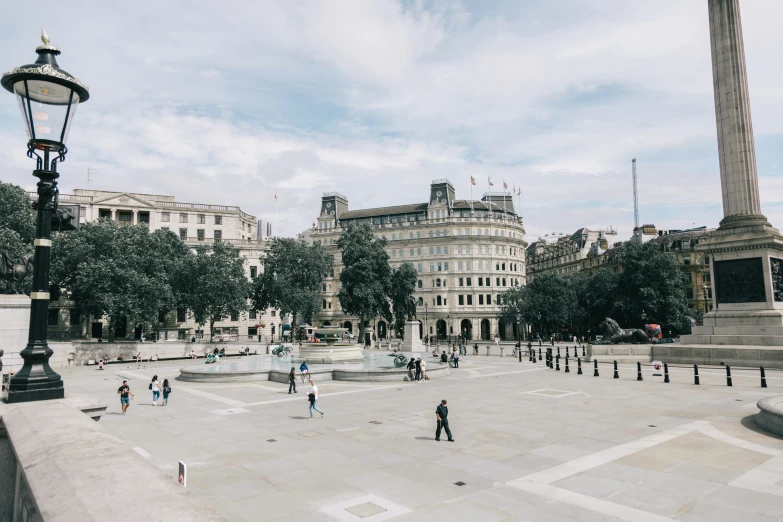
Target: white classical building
<point x="195" y="223"/>
<point x="563" y="254"/>
<point x="466" y="253"/>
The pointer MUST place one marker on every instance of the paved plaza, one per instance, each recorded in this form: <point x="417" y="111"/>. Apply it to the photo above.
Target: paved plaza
<point x="531" y="444"/>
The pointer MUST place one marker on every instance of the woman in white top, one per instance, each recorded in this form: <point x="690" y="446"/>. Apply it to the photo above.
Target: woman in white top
<point x="155" y="387"/>
<point x="313" y="398"/>
<point x="423" y="370"/>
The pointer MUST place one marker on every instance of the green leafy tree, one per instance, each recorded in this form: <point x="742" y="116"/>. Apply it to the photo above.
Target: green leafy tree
<point x="547" y="302"/>
<point x="293" y="272"/>
<point x="403" y="285"/>
<point x="122" y="272"/>
<point x="650" y="289"/>
<point x="17" y="232"/>
<point x="213" y="284"/>
<point x="595" y="296"/>
<point x="366" y="276"/>
<point x="514" y="304"/>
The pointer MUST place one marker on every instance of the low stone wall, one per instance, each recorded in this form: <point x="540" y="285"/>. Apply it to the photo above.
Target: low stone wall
<point x="750" y="356"/>
<point x="433" y="370"/>
<point x="14" y="327"/>
<point x="619" y="352"/>
<point x="770" y="416"/>
<point x="56" y="463"/>
<point x="84" y="352"/>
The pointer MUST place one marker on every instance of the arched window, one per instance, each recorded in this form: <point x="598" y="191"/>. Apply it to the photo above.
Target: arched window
<point x="421" y="302"/>
<point x="418" y="252"/>
<point x="419" y="283"/>
<point x="445" y="233"/>
<point x="437" y="233"/>
<point x="437" y="283"/>
<point x="504" y="266"/>
<point x="394" y="236"/>
<point x="439" y="299"/>
<point x="394" y="253"/>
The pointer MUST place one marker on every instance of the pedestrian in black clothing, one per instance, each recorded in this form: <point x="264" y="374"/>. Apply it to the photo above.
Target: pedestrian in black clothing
<point x="529" y="347"/>
<point x="418" y="369"/>
<point x="412" y="368"/>
<point x="292" y="380"/>
<point x="442" y="414"/>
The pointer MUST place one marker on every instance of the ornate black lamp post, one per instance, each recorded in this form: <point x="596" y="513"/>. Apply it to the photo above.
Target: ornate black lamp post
<point x="48" y="98"/>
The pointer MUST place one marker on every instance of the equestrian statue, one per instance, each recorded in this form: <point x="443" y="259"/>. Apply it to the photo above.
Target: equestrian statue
<point x="613" y="334"/>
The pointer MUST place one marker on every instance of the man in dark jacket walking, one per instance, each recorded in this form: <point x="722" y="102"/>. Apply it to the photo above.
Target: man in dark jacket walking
<point x="442" y="414"/>
<point x="412" y="368"/>
<point x="292" y="380"/>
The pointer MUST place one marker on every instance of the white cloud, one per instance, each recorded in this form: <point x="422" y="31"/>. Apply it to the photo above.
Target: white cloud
<point x="375" y="99"/>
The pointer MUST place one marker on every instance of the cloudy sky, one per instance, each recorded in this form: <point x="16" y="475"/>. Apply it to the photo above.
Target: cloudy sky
<point x="226" y="102"/>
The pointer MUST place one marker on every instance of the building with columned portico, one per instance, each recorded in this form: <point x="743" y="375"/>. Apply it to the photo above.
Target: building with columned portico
<point x="466" y="253"/>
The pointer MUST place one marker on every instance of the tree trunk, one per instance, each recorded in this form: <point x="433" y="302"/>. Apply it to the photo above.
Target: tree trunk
<point x="212" y="328"/>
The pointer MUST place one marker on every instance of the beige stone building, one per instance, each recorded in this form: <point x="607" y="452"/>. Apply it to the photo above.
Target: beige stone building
<point x="466" y="253"/>
<point x="195" y="223"/>
<point x="564" y="254"/>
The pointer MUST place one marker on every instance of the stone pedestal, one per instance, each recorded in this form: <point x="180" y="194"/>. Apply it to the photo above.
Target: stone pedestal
<point x="366" y="339"/>
<point x="412" y="342"/>
<point x="747" y="276"/>
<point x="14" y="328"/>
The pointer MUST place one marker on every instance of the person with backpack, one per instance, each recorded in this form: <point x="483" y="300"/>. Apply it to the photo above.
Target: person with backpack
<point x="155" y="388"/>
<point x="166" y="392"/>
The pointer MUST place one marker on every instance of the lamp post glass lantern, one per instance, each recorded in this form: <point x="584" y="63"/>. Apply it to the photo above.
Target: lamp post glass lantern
<point x="48" y="97"/>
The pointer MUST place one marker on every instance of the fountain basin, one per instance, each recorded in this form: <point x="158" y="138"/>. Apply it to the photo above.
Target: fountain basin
<point x="370" y="367"/>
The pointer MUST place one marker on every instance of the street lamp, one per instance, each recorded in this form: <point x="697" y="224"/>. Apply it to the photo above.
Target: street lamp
<point x="448" y="325"/>
<point x="48" y="97"/>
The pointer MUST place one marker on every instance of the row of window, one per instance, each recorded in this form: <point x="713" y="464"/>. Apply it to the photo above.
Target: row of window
<point x="183" y="234"/>
<point x="201" y="219"/>
<point x="433" y="250"/>
<point x="460" y="232"/>
<point x="466" y="265"/>
<point x="483" y="299"/>
<point x="467" y="281"/>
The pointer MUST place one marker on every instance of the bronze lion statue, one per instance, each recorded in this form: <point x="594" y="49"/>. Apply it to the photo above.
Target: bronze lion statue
<point x="613" y="334"/>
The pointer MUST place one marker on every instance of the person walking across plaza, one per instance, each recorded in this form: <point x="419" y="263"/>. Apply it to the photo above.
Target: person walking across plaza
<point x="123" y="392"/>
<point x="292" y="380"/>
<point x="418" y="369"/>
<point x="456" y="359"/>
<point x="155" y="387"/>
<point x="442" y="415"/>
<point x="423" y="370"/>
<point x="313" y="398"/>
<point x="166" y="392"/>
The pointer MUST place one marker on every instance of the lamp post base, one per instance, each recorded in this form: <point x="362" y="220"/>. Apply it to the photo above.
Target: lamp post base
<point x="53" y="390"/>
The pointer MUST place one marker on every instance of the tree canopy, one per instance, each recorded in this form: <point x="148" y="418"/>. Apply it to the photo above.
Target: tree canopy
<point x="649" y="289"/>
<point x="291" y="280"/>
<point x="365" y="279"/>
<point x="403" y="285"/>
<point x="17" y="232"/>
<point x="118" y="271"/>
<point x="213" y="283"/>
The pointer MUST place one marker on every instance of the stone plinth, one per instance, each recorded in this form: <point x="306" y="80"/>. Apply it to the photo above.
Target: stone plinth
<point x="412" y="342"/>
<point x="14" y="328"/>
<point x="324" y="353"/>
<point x="770" y="415"/>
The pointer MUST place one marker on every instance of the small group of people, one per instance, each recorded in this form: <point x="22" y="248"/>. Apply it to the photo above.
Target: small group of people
<point x="157" y="388"/>
<point x="417" y="369"/>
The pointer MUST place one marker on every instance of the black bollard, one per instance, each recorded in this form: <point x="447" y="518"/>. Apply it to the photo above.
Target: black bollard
<point x="638" y="371"/>
<point x="728" y="375"/>
<point x="575" y="354"/>
<point x="520" y="355"/>
<point x="534" y="355"/>
<point x="566" y="368"/>
<point x="616" y="375"/>
<point x="696" y="374"/>
<point x="763" y="378"/>
<point x="557" y="363"/>
<point x="583" y="351"/>
<point x="539" y="354"/>
<point x="558" y="351"/>
<point x="665" y="372"/>
<point x="578" y="366"/>
<point x="595" y="367"/>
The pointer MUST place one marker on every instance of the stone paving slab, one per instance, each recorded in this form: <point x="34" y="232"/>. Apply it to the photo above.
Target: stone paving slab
<point x="531" y="444"/>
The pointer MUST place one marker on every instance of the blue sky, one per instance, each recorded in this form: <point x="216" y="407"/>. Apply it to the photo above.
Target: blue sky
<point x="226" y="102"/>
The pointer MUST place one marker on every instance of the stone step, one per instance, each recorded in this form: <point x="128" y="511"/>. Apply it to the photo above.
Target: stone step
<point x="738" y="330"/>
<point x="751" y="340"/>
